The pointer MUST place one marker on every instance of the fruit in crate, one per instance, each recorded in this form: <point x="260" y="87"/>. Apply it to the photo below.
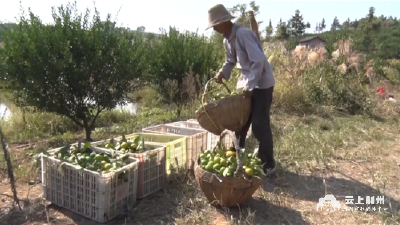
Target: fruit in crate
<point x="132" y="145"/>
<point x="224" y="162"/>
<point x="84" y="157"/>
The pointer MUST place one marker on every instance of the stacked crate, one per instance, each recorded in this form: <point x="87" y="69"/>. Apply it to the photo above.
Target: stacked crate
<point x="151" y="167"/>
<point x="196" y="142"/>
<point x="175" y="149"/>
<point x="101" y="197"/>
<point x="211" y="138"/>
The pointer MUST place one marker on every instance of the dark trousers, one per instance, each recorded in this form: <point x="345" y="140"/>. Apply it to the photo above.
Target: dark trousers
<point x="259" y="119"/>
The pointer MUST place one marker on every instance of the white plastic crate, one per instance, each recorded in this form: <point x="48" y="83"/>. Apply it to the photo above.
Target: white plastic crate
<point x="196" y="140"/>
<point x="211" y="138"/>
<point x="151" y="172"/>
<point x="175" y="149"/>
<point x="100" y="197"/>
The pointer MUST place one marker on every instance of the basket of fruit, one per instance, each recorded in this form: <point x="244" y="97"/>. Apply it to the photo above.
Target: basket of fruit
<point x="224" y="112"/>
<point x="220" y="179"/>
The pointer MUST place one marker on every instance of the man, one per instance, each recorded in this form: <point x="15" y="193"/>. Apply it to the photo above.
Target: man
<point x="242" y="47"/>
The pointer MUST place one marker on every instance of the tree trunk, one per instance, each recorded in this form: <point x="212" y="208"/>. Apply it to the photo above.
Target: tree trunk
<point x="178" y="111"/>
<point x="23" y="117"/>
<point x="10" y="172"/>
<point x="88" y="131"/>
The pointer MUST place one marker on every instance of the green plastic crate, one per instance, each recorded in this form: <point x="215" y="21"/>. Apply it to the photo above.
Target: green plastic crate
<point x="175" y="149"/>
<point x="196" y="140"/>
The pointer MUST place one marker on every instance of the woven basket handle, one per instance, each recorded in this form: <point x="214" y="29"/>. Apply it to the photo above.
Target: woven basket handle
<point x="219" y="141"/>
<point x="203" y="99"/>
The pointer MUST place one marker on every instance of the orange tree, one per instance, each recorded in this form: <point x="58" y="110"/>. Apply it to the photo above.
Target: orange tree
<point x="74" y="67"/>
<point x="173" y="57"/>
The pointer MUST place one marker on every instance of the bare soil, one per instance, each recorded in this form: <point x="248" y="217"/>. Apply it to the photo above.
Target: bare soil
<point x="286" y="198"/>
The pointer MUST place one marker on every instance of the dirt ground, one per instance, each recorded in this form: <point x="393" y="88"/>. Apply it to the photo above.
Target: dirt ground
<point x="286" y="198"/>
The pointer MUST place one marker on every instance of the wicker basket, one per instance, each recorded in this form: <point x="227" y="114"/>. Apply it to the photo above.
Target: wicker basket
<point x="229" y="113"/>
<point x="225" y="191"/>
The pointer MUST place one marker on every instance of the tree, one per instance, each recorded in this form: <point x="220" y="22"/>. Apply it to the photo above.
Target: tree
<point x="297" y="25"/>
<point x="173" y="58"/>
<point x="322" y="25"/>
<point x="317" y="28"/>
<point x="75" y="67"/>
<point x="346" y="24"/>
<point x="335" y="25"/>
<point x="240" y="11"/>
<point x="269" y="29"/>
<point x="354" y="24"/>
<point x="282" y="31"/>
<point x="141" y="29"/>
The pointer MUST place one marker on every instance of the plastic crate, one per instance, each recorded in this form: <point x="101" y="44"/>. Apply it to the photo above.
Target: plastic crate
<point x="100" y="197"/>
<point x="196" y="140"/>
<point x="175" y="149"/>
<point x="211" y="138"/>
<point x="151" y="172"/>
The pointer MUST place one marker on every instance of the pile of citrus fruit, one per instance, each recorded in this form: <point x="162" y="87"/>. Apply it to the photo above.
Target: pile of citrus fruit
<point x="224" y="162"/>
<point x="84" y="157"/>
<point x="133" y="145"/>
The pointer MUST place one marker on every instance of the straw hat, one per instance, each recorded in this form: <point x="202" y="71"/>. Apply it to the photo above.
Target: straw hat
<point x="218" y="14"/>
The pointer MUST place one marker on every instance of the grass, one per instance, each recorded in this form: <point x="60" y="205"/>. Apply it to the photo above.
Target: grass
<point x="326" y="152"/>
<point x="56" y="130"/>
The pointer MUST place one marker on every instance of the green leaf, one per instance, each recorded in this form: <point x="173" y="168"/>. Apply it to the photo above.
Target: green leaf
<point x="261" y="171"/>
<point x="123" y="138"/>
<point x="255" y="153"/>
<point x="139" y="141"/>
<point x="63" y="151"/>
<point x="226" y="171"/>
<point x="87" y="145"/>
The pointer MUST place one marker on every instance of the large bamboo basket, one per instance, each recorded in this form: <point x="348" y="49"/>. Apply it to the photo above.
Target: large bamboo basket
<point x="225" y="191"/>
<point x="230" y="113"/>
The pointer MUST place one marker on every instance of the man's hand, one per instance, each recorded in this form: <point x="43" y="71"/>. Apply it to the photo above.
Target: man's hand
<point x="219" y="77"/>
<point x="247" y="93"/>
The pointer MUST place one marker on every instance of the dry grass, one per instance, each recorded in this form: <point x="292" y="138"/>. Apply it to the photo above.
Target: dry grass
<point x="325" y="153"/>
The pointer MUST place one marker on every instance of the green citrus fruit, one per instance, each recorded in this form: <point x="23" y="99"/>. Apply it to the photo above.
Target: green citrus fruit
<point x="223" y="162"/>
<point x="249" y="171"/>
<point x="216" y="166"/>
<point x="107" y="166"/>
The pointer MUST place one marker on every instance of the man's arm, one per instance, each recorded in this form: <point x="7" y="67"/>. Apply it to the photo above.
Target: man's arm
<point x="229" y="63"/>
<point x="256" y="56"/>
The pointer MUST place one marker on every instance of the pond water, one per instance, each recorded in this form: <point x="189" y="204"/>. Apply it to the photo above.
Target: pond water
<point x="3" y="109"/>
<point x="130" y="107"/>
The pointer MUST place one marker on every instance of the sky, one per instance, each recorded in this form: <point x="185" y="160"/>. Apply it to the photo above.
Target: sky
<point x="192" y="15"/>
